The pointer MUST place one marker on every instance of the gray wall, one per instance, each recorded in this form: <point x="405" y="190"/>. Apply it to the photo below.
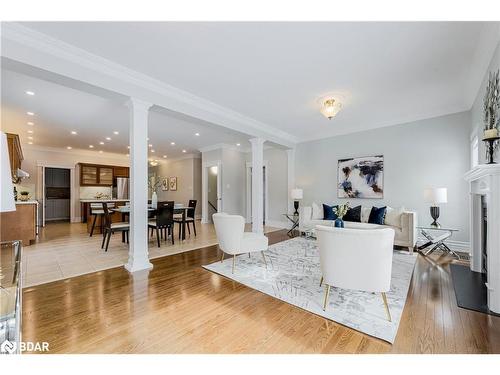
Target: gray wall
<point x="477" y="124"/>
<point x="428" y="153"/>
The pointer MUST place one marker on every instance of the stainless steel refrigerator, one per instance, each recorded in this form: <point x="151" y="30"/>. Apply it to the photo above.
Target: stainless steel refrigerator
<point x="122" y="188"/>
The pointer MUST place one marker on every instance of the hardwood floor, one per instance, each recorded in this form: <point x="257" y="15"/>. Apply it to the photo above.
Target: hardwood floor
<point x="181" y="308"/>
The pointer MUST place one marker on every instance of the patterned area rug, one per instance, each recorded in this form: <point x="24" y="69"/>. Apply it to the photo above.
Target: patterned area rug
<point x="293" y="275"/>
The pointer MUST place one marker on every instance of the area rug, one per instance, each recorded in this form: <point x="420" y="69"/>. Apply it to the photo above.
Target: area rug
<point x="293" y="275"/>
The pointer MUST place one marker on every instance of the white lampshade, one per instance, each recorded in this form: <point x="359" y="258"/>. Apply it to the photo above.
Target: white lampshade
<point x="7" y="202"/>
<point x="436" y="195"/>
<point x="296" y="194"/>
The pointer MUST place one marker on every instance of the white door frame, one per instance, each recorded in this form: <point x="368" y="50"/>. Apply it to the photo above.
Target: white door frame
<point x="204" y="188"/>
<point x="73" y="193"/>
<point x="249" y="191"/>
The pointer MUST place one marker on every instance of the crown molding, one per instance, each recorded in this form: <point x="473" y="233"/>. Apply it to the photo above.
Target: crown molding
<point x="183" y="157"/>
<point x="226" y="146"/>
<point x="74" y="151"/>
<point x="212" y="112"/>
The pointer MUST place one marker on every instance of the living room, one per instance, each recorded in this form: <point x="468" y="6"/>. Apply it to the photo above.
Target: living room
<point x="288" y="193"/>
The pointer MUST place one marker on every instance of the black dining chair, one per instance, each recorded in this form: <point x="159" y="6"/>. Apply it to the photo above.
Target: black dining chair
<point x="97" y="211"/>
<point x="164" y="221"/>
<point x="109" y="228"/>
<point x="189" y="217"/>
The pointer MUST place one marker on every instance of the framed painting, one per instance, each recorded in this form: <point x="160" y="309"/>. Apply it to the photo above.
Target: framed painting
<point x="164" y="184"/>
<point x="361" y="177"/>
<point x="172" y="183"/>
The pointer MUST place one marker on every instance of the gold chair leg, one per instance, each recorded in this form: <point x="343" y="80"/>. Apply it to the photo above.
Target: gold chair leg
<point x="234" y="259"/>
<point x="264" y="257"/>
<point x="222" y="257"/>
<point x="327" y="292"/>
<point x="321" y="281"/>
<point x="384" y="297"/>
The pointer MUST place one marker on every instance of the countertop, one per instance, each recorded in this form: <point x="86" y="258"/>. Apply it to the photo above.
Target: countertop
<point x="27" y="202"/>
<point x="103" y="200"/>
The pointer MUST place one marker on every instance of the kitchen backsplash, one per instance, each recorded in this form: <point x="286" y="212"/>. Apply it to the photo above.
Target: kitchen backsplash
<point x="90" y="192"/>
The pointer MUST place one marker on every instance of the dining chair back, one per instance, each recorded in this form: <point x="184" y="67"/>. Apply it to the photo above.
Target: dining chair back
<point x="192" y="205"/>
<point x="165" y="214"/>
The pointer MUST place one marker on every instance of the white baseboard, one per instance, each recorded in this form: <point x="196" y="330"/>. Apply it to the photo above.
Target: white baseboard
<point x="460" y="246"/>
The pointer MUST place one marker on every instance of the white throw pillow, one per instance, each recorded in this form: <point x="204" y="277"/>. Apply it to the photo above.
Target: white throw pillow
<point x="365" y="214"/>
<point x="317" y="212"/>
<point x="393" y="216"/>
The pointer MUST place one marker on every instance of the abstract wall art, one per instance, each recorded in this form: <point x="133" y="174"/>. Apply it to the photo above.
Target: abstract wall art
<point x="361" y="177"/>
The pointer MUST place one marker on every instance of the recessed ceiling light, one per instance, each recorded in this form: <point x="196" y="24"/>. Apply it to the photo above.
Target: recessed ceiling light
<point x="147" y="138"/>
<point x="30" y="113"/>
<point x="30" y="93"/>
<point x="115" y="132"/>
<point x="91" y="146"/>
<point x="128" y="147"/>
<point x="197" y="134"/>
<point x="172" y="143"/>
<point x="184" y="151"/>
<point x="30" y="138"/>
<point x="128" y="154"/>
<point x="30" y="123"/>
<point x="150" y="145"/>
<point x="30" y="131"/>
<point x="30" y="143"/>
<point x="100" y="151"/>
<point x="101" y="143"/>
<point x="108" y="139"/>
<point x="164" y="156"/>
<point x="69" y="147"/>
<point x="152" y="150"/>
<point x="73" y="132"/>
<point x="238" y="144"/>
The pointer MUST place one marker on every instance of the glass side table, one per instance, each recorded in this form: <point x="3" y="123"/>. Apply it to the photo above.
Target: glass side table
<point x="295" y="222"/>
<point x="435" y="240"/>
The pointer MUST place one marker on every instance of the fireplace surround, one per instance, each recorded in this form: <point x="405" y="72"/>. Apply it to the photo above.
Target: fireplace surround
<point x="484" y="208"/>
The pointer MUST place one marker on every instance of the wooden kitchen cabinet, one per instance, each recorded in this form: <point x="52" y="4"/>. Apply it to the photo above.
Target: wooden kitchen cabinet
<point x="121" y="172"/>
<point x="88" y="175"/>
<point x="105" y="176"/>
<point x="15" y="155"/>
<point x="19" y="224"/>
<point x="99" y="175"/>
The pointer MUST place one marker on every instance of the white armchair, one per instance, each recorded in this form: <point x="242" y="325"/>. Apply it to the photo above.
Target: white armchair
<point x="359" y="259"/>
<point x="232" y="238"/>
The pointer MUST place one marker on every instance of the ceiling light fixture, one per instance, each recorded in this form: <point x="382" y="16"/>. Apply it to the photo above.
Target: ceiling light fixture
<point x="184" y="151"/>
<point x="128" y="155"/>
<point x="91" y="146"/>
<point x="115" y="132"/>
<point x="172" y="143"/>
<point x="30" y="123"/>
<point x="128" y="147"/>
<point x="108" y="139"/>
<point x="69" y="147"/>
<point x="164" y="156"/>
<point x="197" y="134"/>
<point x="30" y="138"/>
<point x="238" y="144"/>
<point x="30" y="113"/>
<point x="330" y="107"/>
<point x="100" y="151"/>
<point x="30" y="93"/>
<point x="30" y="131"/>
<point x="101" y="143"/>
<point x="153" y="163"/>
<point x="150" y="145"/>
<point x="73" y="132"/>
<point x="30" y="143"/>
<point x="152" y="150"/>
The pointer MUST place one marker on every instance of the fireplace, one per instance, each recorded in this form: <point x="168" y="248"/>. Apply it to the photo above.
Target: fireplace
<point x="484" y="209"/>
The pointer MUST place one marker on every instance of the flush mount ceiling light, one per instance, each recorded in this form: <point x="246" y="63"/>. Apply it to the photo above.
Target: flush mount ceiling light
<point x="30" y="113"/>
<point x="115" y="132"/>
<point x="73" y="132"/>
<point x="30" y="93"/>
<point x="30" y="123"/>
<point x="153" y="163"/>
<point x="108" y="138"/>
<point x="172" y="143"/>
<point x="330" y="107"/>
<point x="101" y="143"/>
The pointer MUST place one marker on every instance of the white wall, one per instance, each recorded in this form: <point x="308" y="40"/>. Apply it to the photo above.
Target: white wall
<point x="477" y="124"/>
<point x="233" y="182"/>
<point x="428" y="153"/>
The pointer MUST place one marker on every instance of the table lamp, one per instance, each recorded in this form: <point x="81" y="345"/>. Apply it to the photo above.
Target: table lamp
<point x="296" y="195"/>
<point x="7" y="202"/>
<point x="435" y="196"/>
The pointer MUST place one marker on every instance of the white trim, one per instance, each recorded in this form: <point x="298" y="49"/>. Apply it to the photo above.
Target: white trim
<point x="204" y="189"/>
<point x="68" y="60"/>
<point x="460" y="246"/>
<point x="248" y="216"/>
<point x="76" y="151"/>
<point x="183" y="157"/>
<point x="219" y="146"/>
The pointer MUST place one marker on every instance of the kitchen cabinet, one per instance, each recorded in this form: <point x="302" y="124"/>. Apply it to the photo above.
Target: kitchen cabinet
<point x="100" y="175"/>
<point x="121" y="172"/>
<point x="15" y="155"/>
<point x="19" y="224"/>
<point x="105" y="176"/>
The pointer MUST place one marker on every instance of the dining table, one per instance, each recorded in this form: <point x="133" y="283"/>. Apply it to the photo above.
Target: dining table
<point x="182" y="210"/>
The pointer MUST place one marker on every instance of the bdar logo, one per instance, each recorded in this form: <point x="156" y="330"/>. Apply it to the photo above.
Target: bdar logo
<point x="8" y="347"/>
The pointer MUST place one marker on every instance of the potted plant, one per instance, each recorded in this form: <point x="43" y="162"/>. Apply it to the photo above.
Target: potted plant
<point x="340" y="211"/>
<point x="25" y="195"/>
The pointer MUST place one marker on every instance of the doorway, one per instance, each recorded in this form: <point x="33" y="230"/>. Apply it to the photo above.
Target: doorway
<point x="57" y="194"/>
<point x="264" y="193"/>
<point x="212" y="190"/>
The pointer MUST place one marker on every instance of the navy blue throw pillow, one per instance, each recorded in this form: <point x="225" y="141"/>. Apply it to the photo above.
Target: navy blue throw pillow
<point x="328" y="213"/>
<point x="353" y="214"/>
<point x="377" y="215"/>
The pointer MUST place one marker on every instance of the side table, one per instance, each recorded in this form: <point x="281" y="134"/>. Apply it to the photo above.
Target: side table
<point x="295" y="222"/>
<point x="435" y="240"/>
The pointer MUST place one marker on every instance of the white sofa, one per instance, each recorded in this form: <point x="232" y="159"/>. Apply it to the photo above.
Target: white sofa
<point x="405" y="234"/>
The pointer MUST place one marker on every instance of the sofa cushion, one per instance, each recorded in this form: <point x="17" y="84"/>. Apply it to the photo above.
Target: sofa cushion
<point x="377" y="215"/>
<point x="317" y="212"/>
<point x="353" y="214"/>
<point x="328" y="213"/>
<point x="393" y="216"/>
<point x="365" y="214"/>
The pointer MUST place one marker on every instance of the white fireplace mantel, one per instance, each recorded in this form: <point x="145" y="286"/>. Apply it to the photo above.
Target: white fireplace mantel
<point x="484" y="181"/>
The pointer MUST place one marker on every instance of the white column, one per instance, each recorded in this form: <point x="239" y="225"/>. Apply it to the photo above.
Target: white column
<point x="290" y="153"/>
<point x="257" y="185"/>
<point x="138" y="247"/>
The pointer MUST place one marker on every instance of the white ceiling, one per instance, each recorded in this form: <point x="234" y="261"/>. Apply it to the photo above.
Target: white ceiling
<point x="389" y="73"/>
<point x="60" y="109"/>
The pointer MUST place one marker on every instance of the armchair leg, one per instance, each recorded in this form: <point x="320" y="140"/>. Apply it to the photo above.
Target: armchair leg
<point x="384" y="297"/>
<point x="327" y="292"/>
<point x="321" y="281"/>
<point x="263" y="257"/>
<point x="234" y="260"/>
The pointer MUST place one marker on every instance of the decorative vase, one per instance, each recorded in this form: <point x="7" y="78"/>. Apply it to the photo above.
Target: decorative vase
<point x="339" y="223"/>
<point x="154" y="200"/>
